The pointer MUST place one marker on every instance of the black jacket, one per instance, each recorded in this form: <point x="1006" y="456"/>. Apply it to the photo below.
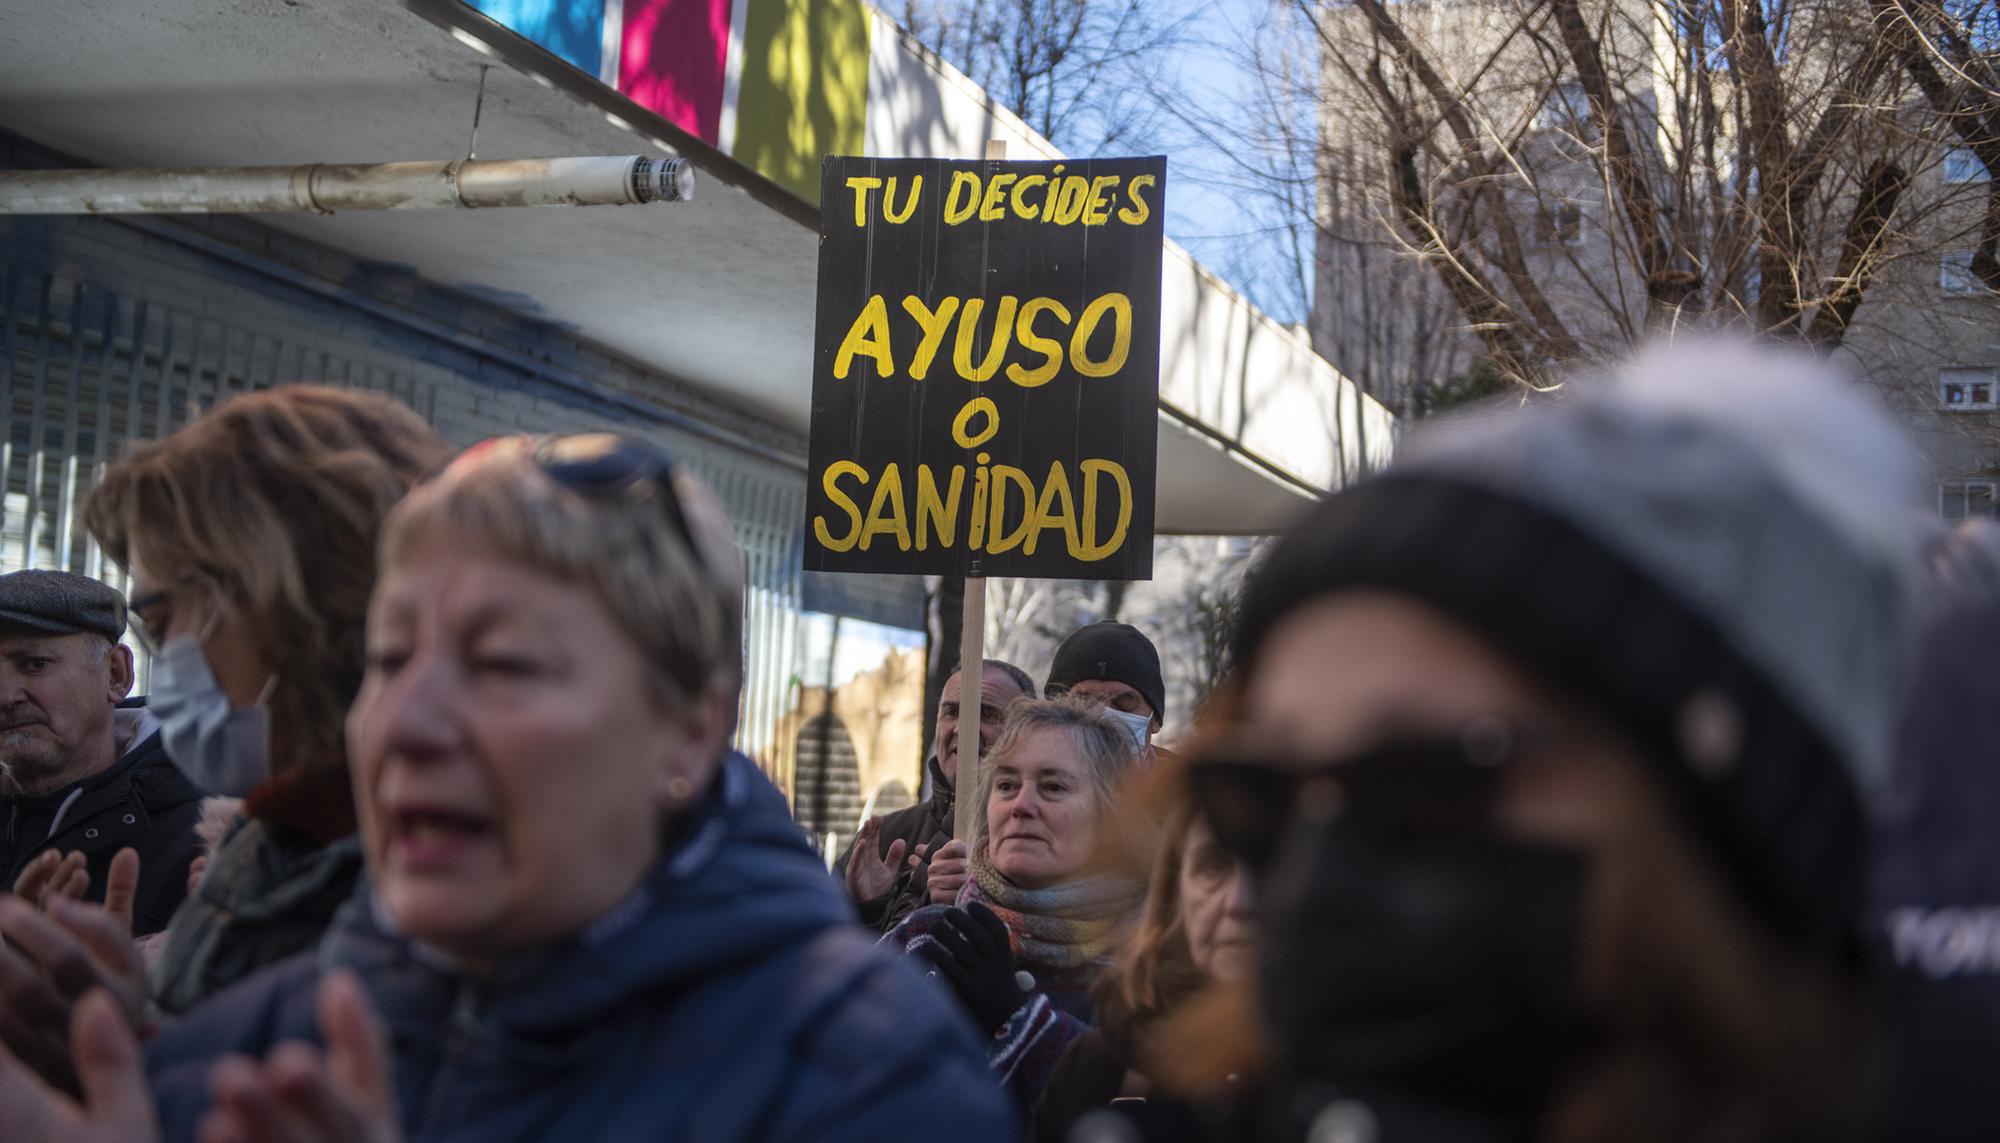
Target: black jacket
<point x="1088" y="1076"/>
<point x="142" y="802"/>
<point x="929" y="822"/>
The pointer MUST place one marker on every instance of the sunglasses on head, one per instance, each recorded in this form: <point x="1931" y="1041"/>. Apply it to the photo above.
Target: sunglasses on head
<point x="1431" y="784"/>
<point x="603" y="465"/>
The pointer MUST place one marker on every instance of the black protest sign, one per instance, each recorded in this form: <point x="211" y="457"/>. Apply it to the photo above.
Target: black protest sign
<point x="986" y="368"/>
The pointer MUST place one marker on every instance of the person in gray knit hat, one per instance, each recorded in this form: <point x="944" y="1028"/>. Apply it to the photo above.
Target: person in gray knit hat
<point x="1550" y="750"/>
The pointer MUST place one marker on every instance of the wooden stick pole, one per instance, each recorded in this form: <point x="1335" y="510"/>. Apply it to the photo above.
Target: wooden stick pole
<point x="971" y="672"/>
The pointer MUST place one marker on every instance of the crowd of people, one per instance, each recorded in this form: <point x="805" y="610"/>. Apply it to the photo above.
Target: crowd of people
<point x="1574" y="781"/>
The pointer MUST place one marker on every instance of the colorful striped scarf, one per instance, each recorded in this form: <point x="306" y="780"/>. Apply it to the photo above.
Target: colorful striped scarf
<point x="1067" y="925"/>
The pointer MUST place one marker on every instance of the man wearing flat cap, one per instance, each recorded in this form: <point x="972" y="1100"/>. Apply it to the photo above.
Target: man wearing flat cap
<point x="80" y="773"/>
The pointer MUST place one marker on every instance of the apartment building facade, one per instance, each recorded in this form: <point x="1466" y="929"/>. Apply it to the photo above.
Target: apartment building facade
<point x="1926" y="334"/>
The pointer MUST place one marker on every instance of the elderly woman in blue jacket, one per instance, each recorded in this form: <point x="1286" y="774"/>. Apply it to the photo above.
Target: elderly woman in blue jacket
<point x="585" y="918"/>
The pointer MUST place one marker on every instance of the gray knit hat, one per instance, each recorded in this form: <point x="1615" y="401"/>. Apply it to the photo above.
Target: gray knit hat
<point x="61" y="603"/>
<point x="1718" y="548"/>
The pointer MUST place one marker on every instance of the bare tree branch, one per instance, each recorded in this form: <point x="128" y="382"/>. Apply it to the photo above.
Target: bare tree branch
<point x="1880" y="192"/>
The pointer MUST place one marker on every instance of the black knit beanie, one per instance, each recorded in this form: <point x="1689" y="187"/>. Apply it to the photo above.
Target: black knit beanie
<point x="1107" y="650"/>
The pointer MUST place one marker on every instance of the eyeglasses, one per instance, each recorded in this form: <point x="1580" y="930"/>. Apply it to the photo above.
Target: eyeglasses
<point x="1432" y="784"/>
<point x="152" y="619"/>
<point x="602" y="465"/>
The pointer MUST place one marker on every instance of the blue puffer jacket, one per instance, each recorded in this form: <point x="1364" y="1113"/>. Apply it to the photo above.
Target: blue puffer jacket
<point x="732" y="998"/>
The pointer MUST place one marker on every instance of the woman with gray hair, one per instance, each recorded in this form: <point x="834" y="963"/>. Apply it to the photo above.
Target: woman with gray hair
<point x="586" y="918"/>
<point x="1051" y="888"/>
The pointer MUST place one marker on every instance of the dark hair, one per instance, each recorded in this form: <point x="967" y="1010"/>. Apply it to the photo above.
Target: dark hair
<point x="1021" y="678"/>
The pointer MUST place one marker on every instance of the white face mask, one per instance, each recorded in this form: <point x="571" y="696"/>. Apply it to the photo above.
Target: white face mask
<point x="221" y="749"/>
<point x="1138" y="726"/>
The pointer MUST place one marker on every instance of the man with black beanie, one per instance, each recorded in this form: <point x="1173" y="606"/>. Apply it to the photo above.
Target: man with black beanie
<point x="1115" y="664"/>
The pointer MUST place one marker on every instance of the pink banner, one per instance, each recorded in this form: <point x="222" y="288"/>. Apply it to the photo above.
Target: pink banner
<point x="672" y="60"/>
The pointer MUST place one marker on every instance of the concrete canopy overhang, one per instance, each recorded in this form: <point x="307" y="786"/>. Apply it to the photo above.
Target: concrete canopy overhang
<point x="717" y="293"/>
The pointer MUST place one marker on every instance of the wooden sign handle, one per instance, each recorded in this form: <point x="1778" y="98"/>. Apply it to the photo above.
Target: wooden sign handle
<point x="971" y="672"/>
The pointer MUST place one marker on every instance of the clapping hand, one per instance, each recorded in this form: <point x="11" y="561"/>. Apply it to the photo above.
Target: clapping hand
<point x="114" y="1107"/>
<point x="870" y="874"/>
<point x="300" y="1094"/>
<point x="57" y="949"/>
<point x="54" y="874"/>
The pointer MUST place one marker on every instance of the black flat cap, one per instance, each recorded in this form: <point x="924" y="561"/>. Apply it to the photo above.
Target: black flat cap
<point x="61" y="603"/>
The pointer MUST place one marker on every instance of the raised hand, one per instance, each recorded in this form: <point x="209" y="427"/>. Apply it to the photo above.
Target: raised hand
<point x="115" y="1106"/>
<point x="67" y="875"/>
<point x="121" y="888"/>
<point x="52" y="874"/>
<point x="870" y="874"/>
<point x="80" y="946"/>
<point x="948" y="872"/>
<point x="299" y="1094"/>
<point x="50" y="958"/>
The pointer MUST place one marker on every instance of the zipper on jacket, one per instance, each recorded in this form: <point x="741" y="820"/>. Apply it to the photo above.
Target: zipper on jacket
<point x="462" y="1027"/>
<point x="442" y="1105"/>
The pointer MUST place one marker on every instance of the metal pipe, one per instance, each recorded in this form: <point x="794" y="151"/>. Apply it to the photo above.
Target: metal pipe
<point x="608" y="180"/>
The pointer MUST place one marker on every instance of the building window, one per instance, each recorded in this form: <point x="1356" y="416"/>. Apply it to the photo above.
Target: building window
<point x="1964" y="390"/>
<point x="1964" y="499"/>
<point x="1955" y="274"/>
<point x="1962" y="166"/>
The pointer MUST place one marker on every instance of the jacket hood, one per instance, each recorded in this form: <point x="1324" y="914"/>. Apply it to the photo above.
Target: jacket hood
<point x="134" y="727"/>
<point x="737" y="883"/>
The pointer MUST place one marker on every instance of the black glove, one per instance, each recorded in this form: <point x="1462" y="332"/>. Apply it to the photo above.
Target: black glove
<point x="969" y="947"/>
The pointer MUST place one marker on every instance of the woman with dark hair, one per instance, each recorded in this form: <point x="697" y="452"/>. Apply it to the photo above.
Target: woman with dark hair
<point x="1053" y="885"/>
